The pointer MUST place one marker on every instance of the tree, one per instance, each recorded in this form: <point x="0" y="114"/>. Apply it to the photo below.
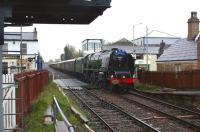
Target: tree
<point x="69" y="52"/>
<point x="62" y="57"/>
<point x="50" y="61"/>
<point x="79" y="53"/>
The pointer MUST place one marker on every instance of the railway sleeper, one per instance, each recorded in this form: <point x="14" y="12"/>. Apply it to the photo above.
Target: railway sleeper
<point x="112" y="117"/>
<point x="128" y="122"/>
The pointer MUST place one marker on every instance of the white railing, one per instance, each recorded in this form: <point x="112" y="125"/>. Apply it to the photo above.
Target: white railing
<point x="9" y="102"/>
<point x="8" y="78"/>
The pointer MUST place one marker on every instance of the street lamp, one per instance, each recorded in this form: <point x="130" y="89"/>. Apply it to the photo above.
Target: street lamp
<point x="133" y="45"/>
<point x="134" y="36"/>
<point x="147" y="46"/>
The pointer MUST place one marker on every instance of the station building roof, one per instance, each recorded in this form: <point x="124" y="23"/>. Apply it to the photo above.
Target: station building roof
<point x="53" y="11"/>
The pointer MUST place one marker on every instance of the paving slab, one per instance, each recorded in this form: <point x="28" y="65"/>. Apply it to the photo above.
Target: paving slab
<point x="60" y="82"/>
<point x="187" y="92"/>
<point x="73" y="82"/>
<point x="196" y="93"/>
<point x="70" y="83"/>
<point x="61" y="127"/>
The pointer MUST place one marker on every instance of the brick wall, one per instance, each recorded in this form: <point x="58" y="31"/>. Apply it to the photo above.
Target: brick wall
<point x="198" y="52"/>
<point x="184" y="65"/>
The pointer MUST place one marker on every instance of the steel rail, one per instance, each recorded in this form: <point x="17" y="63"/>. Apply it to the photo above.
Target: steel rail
<point x="128" y="115"/>
<point x="69" y="125"/>
<point x="165" y="103"/>
<point x="190" y="125"/>
<point x="145" y="125"/>
<point x="83" y="102"/>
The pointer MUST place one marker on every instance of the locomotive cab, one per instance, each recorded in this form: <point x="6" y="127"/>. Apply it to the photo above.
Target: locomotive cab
<point x="121" y="64"/>
<point x="121" y="69"/>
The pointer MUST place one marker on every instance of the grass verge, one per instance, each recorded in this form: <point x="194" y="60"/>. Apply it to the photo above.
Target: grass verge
<point x="146" y="87"/>
<point x="33" y="122"/>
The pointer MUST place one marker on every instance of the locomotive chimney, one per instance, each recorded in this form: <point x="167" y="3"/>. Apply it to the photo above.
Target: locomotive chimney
<point x="193" y="26"/>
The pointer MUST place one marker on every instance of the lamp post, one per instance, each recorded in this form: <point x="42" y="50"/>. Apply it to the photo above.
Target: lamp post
<point x="147" y="46"/>
<point x="134" y="36"/>
<point x="133" y="45"/>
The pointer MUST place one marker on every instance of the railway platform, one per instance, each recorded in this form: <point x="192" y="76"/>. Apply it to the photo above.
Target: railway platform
<point x="179" y="92"/>
<point x="185" y="98"/>
<point x="71" y="83"/>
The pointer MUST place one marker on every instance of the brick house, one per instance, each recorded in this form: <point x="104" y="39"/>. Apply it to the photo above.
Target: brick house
<point x="184" y="54"/>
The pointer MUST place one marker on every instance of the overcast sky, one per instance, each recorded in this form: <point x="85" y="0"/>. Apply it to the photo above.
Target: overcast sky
<point x="168" y="16"/>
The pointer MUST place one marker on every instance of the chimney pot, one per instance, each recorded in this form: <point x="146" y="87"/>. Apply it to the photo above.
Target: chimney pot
<point x="193" y="26"/>
<point x="193" y="14"/>
<point x="35" y="33"/>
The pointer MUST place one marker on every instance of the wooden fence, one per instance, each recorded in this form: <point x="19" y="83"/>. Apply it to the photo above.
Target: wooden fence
<point x="29" y="86"/>
<point x="179" y="80"/>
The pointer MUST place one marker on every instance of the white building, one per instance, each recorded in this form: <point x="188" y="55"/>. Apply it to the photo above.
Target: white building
<point x="146" y="52"/>
<point x="148" y="48"/>
<point x="92" y="45"/>
<point x="11" y="51"/>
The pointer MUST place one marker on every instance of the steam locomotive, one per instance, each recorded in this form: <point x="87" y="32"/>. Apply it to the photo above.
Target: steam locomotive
<point x="109" y="69"/>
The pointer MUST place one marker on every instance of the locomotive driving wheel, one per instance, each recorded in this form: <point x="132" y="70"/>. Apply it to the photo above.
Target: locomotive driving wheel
<point x="93" y="79"/>
<point x="101" y="84"/>
<point x="109" y="88"/>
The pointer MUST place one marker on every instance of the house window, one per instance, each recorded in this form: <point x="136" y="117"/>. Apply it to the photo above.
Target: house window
<point x="167" y="67"/>
<point x="5" y="68"/>
<point x="139" y="56"/>
<point x="5" y="48"/>
<point x="24" y="48"/>
<point x="177" y="67"/>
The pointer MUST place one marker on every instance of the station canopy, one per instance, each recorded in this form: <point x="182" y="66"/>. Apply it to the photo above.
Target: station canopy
<point x="27" y="12"/>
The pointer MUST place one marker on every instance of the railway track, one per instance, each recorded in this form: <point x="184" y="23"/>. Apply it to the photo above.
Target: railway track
<point x="105" y="117"/>
<point x="185" y="116"/>
<point x="113" y="118"/>
<point x="152" y="117"/>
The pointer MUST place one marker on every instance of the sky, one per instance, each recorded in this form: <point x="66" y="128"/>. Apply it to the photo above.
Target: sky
<point x="117" y="22"/>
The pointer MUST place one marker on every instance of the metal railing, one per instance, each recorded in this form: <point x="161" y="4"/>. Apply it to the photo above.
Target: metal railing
<point x="55" y="108"/>
<point x="9" y="106"/>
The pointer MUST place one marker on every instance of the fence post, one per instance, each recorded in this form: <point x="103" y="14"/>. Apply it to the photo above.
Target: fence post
<point x="31" y="91"/>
